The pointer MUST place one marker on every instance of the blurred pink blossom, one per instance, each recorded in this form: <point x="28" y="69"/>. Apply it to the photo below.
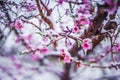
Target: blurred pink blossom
<point x="67" y="12"/>
<point x="60" y="2"/>
<point x="18" y="24"/>
<point x="45" y="38"/>
<point x="17" y="40"/>
<point x="28" y="37"/>
<point x="44" y="50"/>
<point x="78" y="64"/>
<point x="85" y="21"/>
<point x="116" y="47"/>
<point x="34" y="57"/>
<point x="109" y="2"/>
<point x="85" y="1"/>
<point x="13" y="58"/>
<point x="81" y="21"/>
<point x="67" y="59"/>
<point x="107" y="49"/>
<point x="86" y="40"/>
<point x="111" y="6"/>
<point x="18" y="66"/>
<point x="92" y="60"/>
<point x="30" y="7"/>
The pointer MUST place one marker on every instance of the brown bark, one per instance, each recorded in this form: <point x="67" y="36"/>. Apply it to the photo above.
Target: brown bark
<point x="93" y="30"/>
<point x="43" y="16"/>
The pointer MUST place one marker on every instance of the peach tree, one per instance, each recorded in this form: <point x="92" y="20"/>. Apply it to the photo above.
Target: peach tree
<point x="74" y="32"/>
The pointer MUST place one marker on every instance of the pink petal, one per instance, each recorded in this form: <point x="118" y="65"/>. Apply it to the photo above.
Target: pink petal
<point x="34" y="57"/>
<point x="44" y="50"/>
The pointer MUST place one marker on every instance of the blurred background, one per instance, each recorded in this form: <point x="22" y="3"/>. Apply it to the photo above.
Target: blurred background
<point x="16" y="44"/>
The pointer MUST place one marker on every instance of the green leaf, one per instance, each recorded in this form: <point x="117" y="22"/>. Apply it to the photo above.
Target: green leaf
<point x="79" y="43"/>
<point x="22" y="52"/>
<point x="40" y="33"/>
<point x="118" y="30"/>
<point x="73" y="16"/>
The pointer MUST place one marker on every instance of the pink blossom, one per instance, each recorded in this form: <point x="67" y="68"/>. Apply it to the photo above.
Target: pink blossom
<point x="18" y="66"/>
<point x="76" y="22"/>
<point x="111" y="6"/>
<point x="68" y="43"/>
<point x="13" y="58"/>
<point x="78" y="64"/>
<point x="62" y="50"/>
<point x="45" y="38"/>
<point x="116" y="47"/>
<point x="111" y="10"/>
<point x="85" y="21"/>
<point x="109" y="2"/>
<point x="85" y="1"/>
<point x="16" y="6"/>
<point x="92" y="60"/>
<point x="80" y="10"/>
<point x="60" y="2"/>
<point x="34" y="57"/>
<point x="29" y="37"/>
<point x="107" y="49"/>
<point x="87" y="4"/>
<point x="18" y="24"/>
<point x="87" y="7"/>
<point x="86" y="44"/>
<point x="17" y="40"/>
<point x="111" y="63"/>
<point x="44" y="50"/>
<point x="12" y="24"/>
<point x="62" y="56"/>
<point x="86" y="40"/>
<point x="81" y="21"/>
<point x="67" y="11"/>
<point x="75" y="29"/>
<point x="67" y="59"/>
<point x="102" y="55"/>
<point x="83" y="10"/>
<point x="30" y="8"/>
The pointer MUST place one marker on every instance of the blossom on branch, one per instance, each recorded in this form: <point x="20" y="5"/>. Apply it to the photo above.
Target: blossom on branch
<point x="18" y="24"/>
<point x="86" y="44"/>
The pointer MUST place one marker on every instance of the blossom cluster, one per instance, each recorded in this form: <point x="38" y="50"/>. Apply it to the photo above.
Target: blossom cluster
<point x="86" y="44"/>
<point x="116" y="47"/>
